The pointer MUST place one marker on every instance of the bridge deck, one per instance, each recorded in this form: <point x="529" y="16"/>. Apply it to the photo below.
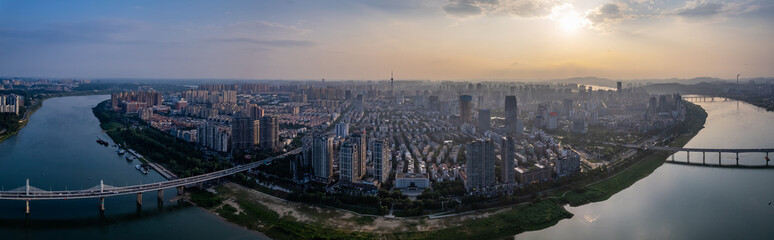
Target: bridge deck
<point x="726" y="150"/>
<point x="109" y="191"/>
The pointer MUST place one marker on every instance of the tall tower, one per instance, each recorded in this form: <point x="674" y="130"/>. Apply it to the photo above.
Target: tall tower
<point x="381" y="159"/>
<point x="359" y="167"/>
<point x="511" y="113"/>
<point x="507" y="151"/>
<point x="244" y="133"/>
<point x="348" y="159"/>
<point x="480" y="168"/>
<point x="466" y="105"/>
<point x="392" y="85"/>
<point x="484" y="120"/>
<point x="269" y="133"/>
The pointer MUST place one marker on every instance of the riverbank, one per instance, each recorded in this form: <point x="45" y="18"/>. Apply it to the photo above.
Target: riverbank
<point x="281" y="219"/>
<point x="23" y="122"/>
<point x="647" y="162"/>
<point x="181" y="158"/>
<point x="37" y="102"/>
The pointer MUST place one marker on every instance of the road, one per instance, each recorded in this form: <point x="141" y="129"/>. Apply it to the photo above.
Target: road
<point x="31" y="193"/>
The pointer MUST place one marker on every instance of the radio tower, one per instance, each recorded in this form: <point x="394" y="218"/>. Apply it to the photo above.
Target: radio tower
<point x="392" y="85"/>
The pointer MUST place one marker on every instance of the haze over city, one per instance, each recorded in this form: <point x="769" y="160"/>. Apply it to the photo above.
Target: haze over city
<point x="386" y="119"/>
<point x="364" y="40"/>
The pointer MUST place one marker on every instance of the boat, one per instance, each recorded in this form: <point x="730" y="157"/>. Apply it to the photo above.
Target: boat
<point x="102" y="142"/>
<point x="129" y="158"/>
<point x="121" y="151"/>
<point x="142" y="169"/>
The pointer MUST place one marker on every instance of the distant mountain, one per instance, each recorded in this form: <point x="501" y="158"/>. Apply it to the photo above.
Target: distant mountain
<point x="586" y="81"/>
<point x="590" y="80"/>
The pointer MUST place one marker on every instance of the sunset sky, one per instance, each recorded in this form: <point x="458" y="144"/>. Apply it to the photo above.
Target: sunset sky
<point x="433" y="40"/>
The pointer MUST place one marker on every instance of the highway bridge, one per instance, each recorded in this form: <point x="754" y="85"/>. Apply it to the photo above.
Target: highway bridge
<point x="28" y="193"/>
<point x="704" y="152"/>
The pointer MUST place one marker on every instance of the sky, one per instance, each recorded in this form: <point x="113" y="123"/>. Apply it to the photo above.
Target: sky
<point x="365" y="40"/>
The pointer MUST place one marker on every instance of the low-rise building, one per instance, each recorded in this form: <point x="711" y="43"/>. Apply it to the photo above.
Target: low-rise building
<point x="535" y="173"/>
<point x="412" y="181"/>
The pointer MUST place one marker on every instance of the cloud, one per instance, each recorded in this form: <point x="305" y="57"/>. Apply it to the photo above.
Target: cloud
<point x="104" y="30"/>
<point x="263" y="27"/>
<point x="462" y="8"/>
<point x="521" y="8"/>
<point x="282" y="43"/>
<point x="606" y="15"/>
<point x="708" y="10"/>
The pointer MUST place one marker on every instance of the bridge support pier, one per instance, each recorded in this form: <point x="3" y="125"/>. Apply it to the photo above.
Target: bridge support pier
<point x="673" y="156"/>
<point x="180" y="190"/>
<point x="688" y="156"/>
<point x="102" y="204"/>
<point x="737" y="159"/>
<point x="161" y="195"/>
<point x="27" y="211"/>
<point x="201" y="185"/>
<point x="139" y="198"/>
<point x="719" y="162"/>
<point x="703" y="158"/>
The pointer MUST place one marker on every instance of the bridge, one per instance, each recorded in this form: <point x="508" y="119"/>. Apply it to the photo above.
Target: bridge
<point x="704" y="152"/>
<point x="28" y="193"/>
<point x="695" y="98"/>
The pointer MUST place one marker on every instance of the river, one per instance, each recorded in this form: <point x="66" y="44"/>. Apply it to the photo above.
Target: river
<point x="690" y="202"/>
<point x="58" y="150"/>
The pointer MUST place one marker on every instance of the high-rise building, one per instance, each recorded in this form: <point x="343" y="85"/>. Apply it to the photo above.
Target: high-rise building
<point x="553" y="121"/>
<point x="214" y="137"/>
<point x="567" y="105"/>
<point x="10" y="103"/>
<point x="653" y="105"/>
<point x="466" y="105"/>
<point x="256" y="112"/>
<point x="318" y="151"/>
<point x="567" y="163"/>
<point x="507" y="154"/>
<point x="541" y="118"/>
<point x="484" y="120"/>
<point x="511" y="113"/>
<point x="359" y="140"/>
<point x="244" y="133"/>
<point x="130" y="102"/>
<point x="342" y="129"/>
<point x="381" y="159"/>
<point x="359" y="103"/>
<point x="480" y="167"/>
<point x="619" y="87"/>
<point x="269" y="133"/>
<point x="348" y="159"/>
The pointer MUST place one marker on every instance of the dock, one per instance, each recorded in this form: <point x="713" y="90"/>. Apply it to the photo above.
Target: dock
<point x="163" y="171"/>
<point x="159" y="169"/>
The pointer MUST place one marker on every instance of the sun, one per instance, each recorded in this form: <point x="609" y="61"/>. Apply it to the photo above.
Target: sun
<point x="567" y="18"/>
<point x="571" y="21"/>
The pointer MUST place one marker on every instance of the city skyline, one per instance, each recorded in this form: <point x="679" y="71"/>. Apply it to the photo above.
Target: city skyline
<point x="363" y="40"/>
